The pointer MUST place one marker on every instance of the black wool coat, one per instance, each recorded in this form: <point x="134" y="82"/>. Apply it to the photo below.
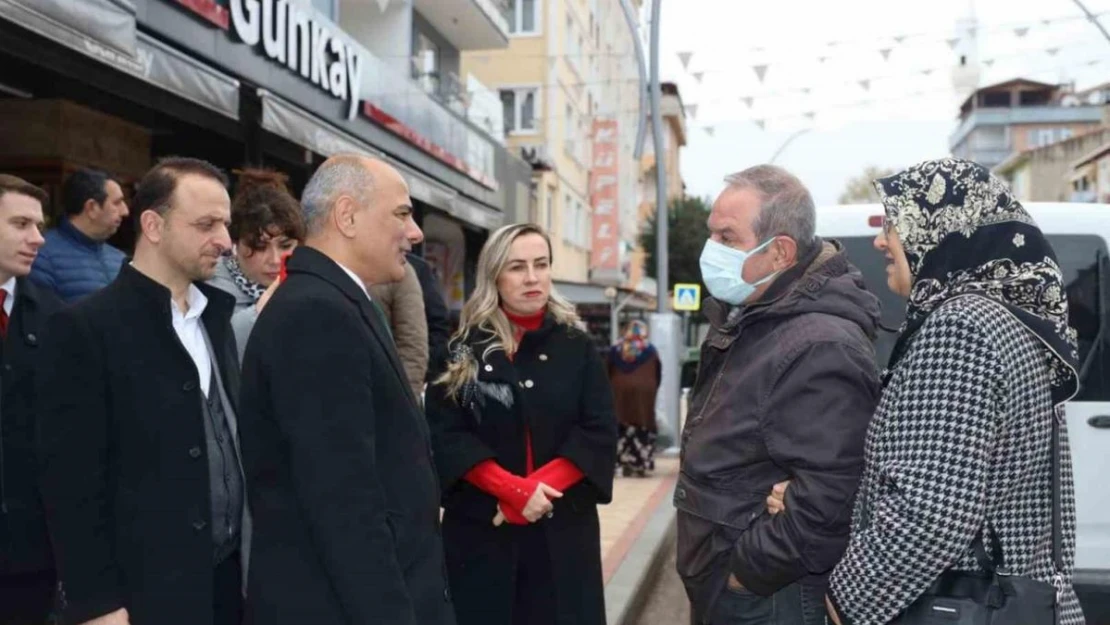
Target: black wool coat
<point x="123" y="450"/>
<point x="24" y="546"/>
<point x="342" y="490"/>
<point x="560" y="393"/>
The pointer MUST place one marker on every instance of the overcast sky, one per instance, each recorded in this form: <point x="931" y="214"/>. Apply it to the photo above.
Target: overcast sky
<point x="902" y="114"/>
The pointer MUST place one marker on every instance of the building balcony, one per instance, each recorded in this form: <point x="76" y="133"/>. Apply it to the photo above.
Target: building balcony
<point x="393" y="99"/>
<point x="1024" y="115"/>
<point x="469" y="24"/>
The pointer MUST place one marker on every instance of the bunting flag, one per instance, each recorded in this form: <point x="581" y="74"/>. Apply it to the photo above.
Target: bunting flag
<point x="810" y="115"/>
<point x="806" y="90"/>
<point x="762" y="124"/>
<point x="1093" y="62"/>
<point x="383" y="5"/>
<point x="760" y="71"/>
<point x="822" y="59"/>
<point x="866" y="84"/>
<point x="709" y="130"/>
<point x="748" y="101"/>
<point x="899" y="39"/>
<point x="684" y="58"/>
<point x="953" y="42"/>
<point x="1052" y="51"/>
<point x="886" y="53"/>
<point x="698" y="76"/>
<point x="1021" y="32"/>
<point x="988" y="62"/>
<point x="692" y="110"/>
<point x="927" y="72"/>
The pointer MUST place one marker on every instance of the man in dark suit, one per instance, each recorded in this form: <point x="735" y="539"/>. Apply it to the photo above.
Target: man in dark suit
<point x="138" y="398"/>
<point x="337" y="453"/>
<point x="26" y="565"/>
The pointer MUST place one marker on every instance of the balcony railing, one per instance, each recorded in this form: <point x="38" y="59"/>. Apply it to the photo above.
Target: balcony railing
<point x="1024" y="115"/>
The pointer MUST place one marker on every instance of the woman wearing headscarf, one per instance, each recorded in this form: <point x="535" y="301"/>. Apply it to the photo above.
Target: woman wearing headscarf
<point x="634" y="373"/>
<point x="524" y="441"/>
<point x="266" y="225"/>
<point x="962" y="452"/>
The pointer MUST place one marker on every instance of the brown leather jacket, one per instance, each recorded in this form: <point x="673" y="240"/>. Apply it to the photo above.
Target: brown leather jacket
<point x="403" y="305"/>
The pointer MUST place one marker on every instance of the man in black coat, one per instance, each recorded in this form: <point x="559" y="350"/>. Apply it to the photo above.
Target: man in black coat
<point x="437" y="316"/>
<point x="138" y="397"/>
<point x="26" y="565"/>
<point x="336" y="450"/>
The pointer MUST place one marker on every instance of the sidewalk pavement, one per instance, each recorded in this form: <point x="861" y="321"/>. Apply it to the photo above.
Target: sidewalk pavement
<point x="636" y="529"/>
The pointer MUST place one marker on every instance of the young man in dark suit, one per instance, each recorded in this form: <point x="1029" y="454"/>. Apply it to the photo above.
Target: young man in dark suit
<point x="336" y="450"/>
<point x="142" y="480"/>
<point x="26" y="565"/>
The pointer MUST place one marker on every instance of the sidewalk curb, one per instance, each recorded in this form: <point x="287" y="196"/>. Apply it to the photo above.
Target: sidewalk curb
<point x="626" y="589"/>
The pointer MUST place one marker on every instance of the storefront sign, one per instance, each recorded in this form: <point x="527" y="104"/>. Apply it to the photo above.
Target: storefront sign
<point x="605" y="256"/>
<point x="289" y="34"/>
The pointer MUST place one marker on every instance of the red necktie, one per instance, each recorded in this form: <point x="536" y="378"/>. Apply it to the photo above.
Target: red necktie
<point x="3" y="314"/>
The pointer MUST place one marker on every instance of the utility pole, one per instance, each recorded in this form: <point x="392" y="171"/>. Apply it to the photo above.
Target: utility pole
<point x="666" y="330"/>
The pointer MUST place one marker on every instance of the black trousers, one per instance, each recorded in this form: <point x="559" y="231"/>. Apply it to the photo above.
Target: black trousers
<point x="27" y="598"/>
<point x="227" y="591"/>
<point x="534" y="599"/>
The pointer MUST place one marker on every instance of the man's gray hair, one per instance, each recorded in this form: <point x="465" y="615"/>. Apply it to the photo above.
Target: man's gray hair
<point x="343" y="175"/>
<point x="787" y="207"/>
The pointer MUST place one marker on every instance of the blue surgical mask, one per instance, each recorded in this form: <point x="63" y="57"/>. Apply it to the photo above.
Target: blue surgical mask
<point x="722" y="270"/>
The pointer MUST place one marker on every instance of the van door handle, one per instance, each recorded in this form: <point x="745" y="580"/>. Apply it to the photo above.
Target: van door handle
<point x="1102" y="422"/>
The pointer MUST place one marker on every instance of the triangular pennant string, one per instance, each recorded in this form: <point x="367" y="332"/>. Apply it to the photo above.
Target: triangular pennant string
<point x="953" y="42"/>
<point x="698" y="76"/>
<point x="709" y="130"/>
<point x="762" y="124"/>
<point x="692" y="110"/>
<point x="886" y="53"/>
<point x="684" y="58"/>
<point x="760" y="71"/>
<point x="1021" y="32"/>
<point x="866" y="84"/>
<point x="748" y="101"/>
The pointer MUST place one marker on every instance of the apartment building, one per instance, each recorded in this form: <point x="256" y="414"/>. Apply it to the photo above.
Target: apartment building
<point x="569" y="90"/>
<point x="1018" y="115"/>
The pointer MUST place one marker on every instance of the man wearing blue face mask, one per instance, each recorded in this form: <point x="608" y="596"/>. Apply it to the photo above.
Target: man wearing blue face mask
<point x="785" y="391"/>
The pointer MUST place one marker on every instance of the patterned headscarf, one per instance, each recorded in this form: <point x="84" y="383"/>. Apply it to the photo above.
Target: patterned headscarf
<point x="633" y="349"/>
<point x="963" y="232"/>
<point x="249" y="287"/>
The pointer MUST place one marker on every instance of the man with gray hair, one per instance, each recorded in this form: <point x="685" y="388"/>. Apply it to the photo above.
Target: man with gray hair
<point x="785" y="391"/>
<point x="335" y="448"/>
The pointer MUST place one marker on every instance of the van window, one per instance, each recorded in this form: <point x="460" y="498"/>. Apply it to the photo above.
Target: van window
<point x="1083" y="260"/>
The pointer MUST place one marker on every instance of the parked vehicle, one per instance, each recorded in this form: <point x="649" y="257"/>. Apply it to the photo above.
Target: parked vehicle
<point x="1080" y="235"/>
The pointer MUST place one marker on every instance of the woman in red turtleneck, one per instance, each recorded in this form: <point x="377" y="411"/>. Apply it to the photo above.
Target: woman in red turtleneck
<point x="525" y="443"/>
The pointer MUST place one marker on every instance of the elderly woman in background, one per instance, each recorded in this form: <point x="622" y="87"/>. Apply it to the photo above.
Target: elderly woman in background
<point x="966" y="509"/>
<point x="524" y="440"/>
<point x="635" y="373"/>
<point x="266" y="225"/>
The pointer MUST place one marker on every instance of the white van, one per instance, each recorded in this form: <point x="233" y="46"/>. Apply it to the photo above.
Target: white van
<point x="1080" y="235"/>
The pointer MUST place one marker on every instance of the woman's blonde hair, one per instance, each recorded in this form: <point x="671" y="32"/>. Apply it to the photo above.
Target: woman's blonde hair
<point x="482" y="311"/>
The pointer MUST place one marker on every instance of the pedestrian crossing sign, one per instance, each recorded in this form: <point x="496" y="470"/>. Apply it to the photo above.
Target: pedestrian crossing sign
<point x="687" y="297"/>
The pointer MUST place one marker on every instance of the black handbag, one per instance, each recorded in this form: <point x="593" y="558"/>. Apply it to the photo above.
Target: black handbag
<point x="994" y="596"/>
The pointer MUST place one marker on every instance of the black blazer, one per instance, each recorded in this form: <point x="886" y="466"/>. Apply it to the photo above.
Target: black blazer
<point x="124" y="467"/>
<point x="560" y="393"/>
<point x="338" y="463"/>
<point x="437" y="316"/>
<point x="24" y="546"/>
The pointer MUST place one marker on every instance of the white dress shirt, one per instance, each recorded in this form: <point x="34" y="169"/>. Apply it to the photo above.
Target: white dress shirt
<point x="9" y="301"/>
<point x="358" y="281"/>
<point x="191" y="332"/>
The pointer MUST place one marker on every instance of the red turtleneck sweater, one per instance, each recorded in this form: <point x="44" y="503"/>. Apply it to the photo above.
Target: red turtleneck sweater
<point x="513" y="491"/>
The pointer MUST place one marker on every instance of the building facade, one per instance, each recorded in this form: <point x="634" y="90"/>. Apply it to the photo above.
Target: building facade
<point x="276" y="83"/>
<point x="1058" y="172"/>
<point x="1018" y="115"/>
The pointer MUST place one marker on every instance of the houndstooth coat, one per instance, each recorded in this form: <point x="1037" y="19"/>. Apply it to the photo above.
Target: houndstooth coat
<point x="961" y="436"/>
